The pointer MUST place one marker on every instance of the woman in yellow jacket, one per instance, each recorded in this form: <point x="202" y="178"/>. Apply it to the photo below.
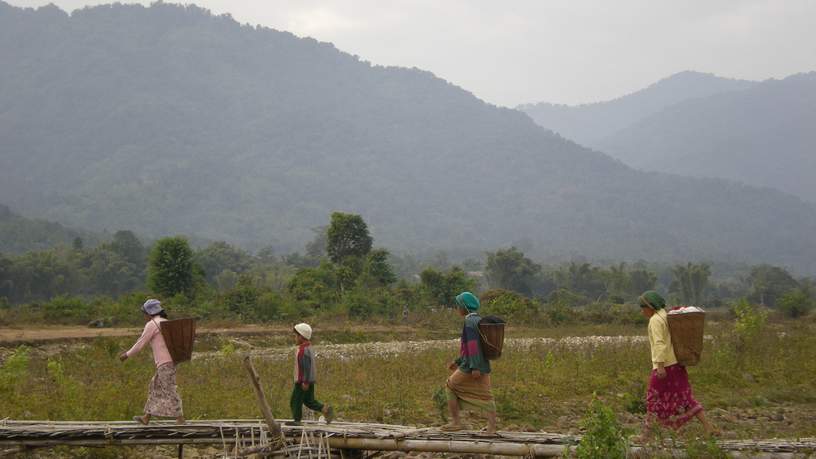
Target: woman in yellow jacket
<point x="669" y="399"/>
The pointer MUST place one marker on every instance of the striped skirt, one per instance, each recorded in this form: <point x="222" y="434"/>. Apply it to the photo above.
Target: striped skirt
<point x="471" y="394"/>
<point x="162" y="397"/>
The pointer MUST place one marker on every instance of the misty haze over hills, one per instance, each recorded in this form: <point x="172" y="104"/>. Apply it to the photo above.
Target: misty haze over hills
<point x="19" y="234"/>
<point x="763" y="135"/>
<point x="589" y="124"/>
<point x="705" y="126"/>
<point x="168" y="120"/>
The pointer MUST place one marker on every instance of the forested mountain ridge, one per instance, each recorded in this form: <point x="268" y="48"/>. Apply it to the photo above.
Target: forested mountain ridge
<point x="168" y="120"/>
<point x="762" y="136"/>
<point x="19" y="234"/>
<point x="589" y="124"/>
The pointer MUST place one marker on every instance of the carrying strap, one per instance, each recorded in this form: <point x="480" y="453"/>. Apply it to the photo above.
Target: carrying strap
<point x="484" y="338"/>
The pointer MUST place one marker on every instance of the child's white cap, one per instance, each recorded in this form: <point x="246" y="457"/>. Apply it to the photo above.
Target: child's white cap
<point x="304" y="330"/>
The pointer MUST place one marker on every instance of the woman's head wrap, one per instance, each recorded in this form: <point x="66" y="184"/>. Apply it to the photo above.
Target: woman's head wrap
<point x="652" y="299"/>
<point x="152" y="307"/>
<point x="468" y="301"/>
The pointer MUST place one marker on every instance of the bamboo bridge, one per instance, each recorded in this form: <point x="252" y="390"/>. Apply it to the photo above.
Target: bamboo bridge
<point x="267" y="437"/>
<point x="252" y="438"/>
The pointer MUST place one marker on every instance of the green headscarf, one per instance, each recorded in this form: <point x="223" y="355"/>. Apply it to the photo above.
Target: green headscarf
<point x="652" y="300"/>
<point x="467" y="300"/>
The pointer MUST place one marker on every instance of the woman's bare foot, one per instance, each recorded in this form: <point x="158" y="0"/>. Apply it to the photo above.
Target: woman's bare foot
<point x="180" y="420"/>
<point x="713" y="431"/>
<point x="143" y="420"/>
<point x="451" y="427"/>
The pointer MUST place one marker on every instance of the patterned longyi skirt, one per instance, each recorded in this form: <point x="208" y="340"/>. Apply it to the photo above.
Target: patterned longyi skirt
<point x="162" y="396"/>
<point x="670" y="399"/>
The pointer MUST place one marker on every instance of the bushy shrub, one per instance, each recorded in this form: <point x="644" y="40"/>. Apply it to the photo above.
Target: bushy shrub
<point x="67" y="310"/>
<point x="14" y="370"/>
<point x="604" y="438"/>
<point x="566" y="297"/>
<point x="606" y="313"/>
<point x="559" y="313"/>
<point x="268" y="307"/>
<point x="795" y="303"/>
<point x="704" y="449"/>
<point x="750" y="320"/>
<point x="507" y="304"/>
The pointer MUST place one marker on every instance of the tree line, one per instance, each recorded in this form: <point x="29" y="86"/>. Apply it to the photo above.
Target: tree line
<point x="341" y="271"/>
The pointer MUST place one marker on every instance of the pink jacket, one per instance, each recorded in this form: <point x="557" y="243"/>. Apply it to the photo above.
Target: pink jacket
<point x="152" y="334"/>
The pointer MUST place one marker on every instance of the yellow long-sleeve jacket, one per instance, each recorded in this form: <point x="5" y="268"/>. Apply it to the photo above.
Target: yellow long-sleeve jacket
<point x="660" y="339"/>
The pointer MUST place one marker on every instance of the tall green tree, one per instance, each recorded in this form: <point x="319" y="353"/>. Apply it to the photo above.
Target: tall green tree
<point x="511" y="270"/>
<point x="347" y="237"/>
<point x="316" y="248"/>
<point x="796" y="303"/>
<point x="442" y="287"/>
<point x="6" y="284"/>
<point x="220" y="256"/>
<point x="129" y="247"/>
<point x="170" y="269"/>
<point x="377" y="271"/>
<point x="768" y="283"/>
<point x="315" y="287"/>
<point x="690" y="282"/>
<point x="641" y="280"/>
<point x="582" y="278"/>
<point x="618" y="282"/>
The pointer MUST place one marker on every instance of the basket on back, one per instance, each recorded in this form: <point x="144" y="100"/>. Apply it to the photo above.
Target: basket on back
<point x="491" y="334"/>
<point x="686" y="325"/>
<point x="179" y="335"/>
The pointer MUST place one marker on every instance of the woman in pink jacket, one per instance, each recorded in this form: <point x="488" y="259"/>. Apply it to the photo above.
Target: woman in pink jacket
<point x="162" y="397"/>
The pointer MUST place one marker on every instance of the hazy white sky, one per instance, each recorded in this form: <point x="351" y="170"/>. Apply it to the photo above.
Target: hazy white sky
<point x="564" y="51"/>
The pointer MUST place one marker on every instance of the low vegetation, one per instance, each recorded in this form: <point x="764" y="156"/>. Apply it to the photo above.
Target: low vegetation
<point x="753" y="386"/>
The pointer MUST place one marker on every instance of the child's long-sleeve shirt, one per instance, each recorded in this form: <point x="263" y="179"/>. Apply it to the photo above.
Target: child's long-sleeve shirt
<point x="305" y="369"/>
<point x="152" y="334"/>
<point x="470" y="351"/>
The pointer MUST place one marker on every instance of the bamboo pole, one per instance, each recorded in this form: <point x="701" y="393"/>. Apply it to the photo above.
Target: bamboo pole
<point x="433" y="446"/>
<point x="263" y="404"/>
<point x="452" y="446"/>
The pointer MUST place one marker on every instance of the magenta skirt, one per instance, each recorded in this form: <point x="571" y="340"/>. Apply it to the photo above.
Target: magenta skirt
<point x="670" y="399"/>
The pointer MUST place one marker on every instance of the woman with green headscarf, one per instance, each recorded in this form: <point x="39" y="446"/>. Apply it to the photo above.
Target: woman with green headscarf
<point x="469" y="385"/>
<point x="669" y="399"/>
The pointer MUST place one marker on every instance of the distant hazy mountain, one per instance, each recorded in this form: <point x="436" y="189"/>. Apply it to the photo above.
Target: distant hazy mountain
<point x="589" y="124"/>
<point x="167" y="119"/>
<point x="19" y="234"/>
<point x="765" y="135"/>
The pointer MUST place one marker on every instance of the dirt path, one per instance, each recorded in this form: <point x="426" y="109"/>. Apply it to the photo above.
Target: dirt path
<point x="32" y="335"/>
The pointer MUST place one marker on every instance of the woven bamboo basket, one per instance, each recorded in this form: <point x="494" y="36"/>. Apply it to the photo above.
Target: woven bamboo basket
<point x="491" y="329"/>
<point x="686" y="324"/>
<point x="179" y="335"/>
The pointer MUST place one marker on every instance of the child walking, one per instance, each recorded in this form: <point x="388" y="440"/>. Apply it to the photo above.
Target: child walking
<point x="305" y="378"/>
